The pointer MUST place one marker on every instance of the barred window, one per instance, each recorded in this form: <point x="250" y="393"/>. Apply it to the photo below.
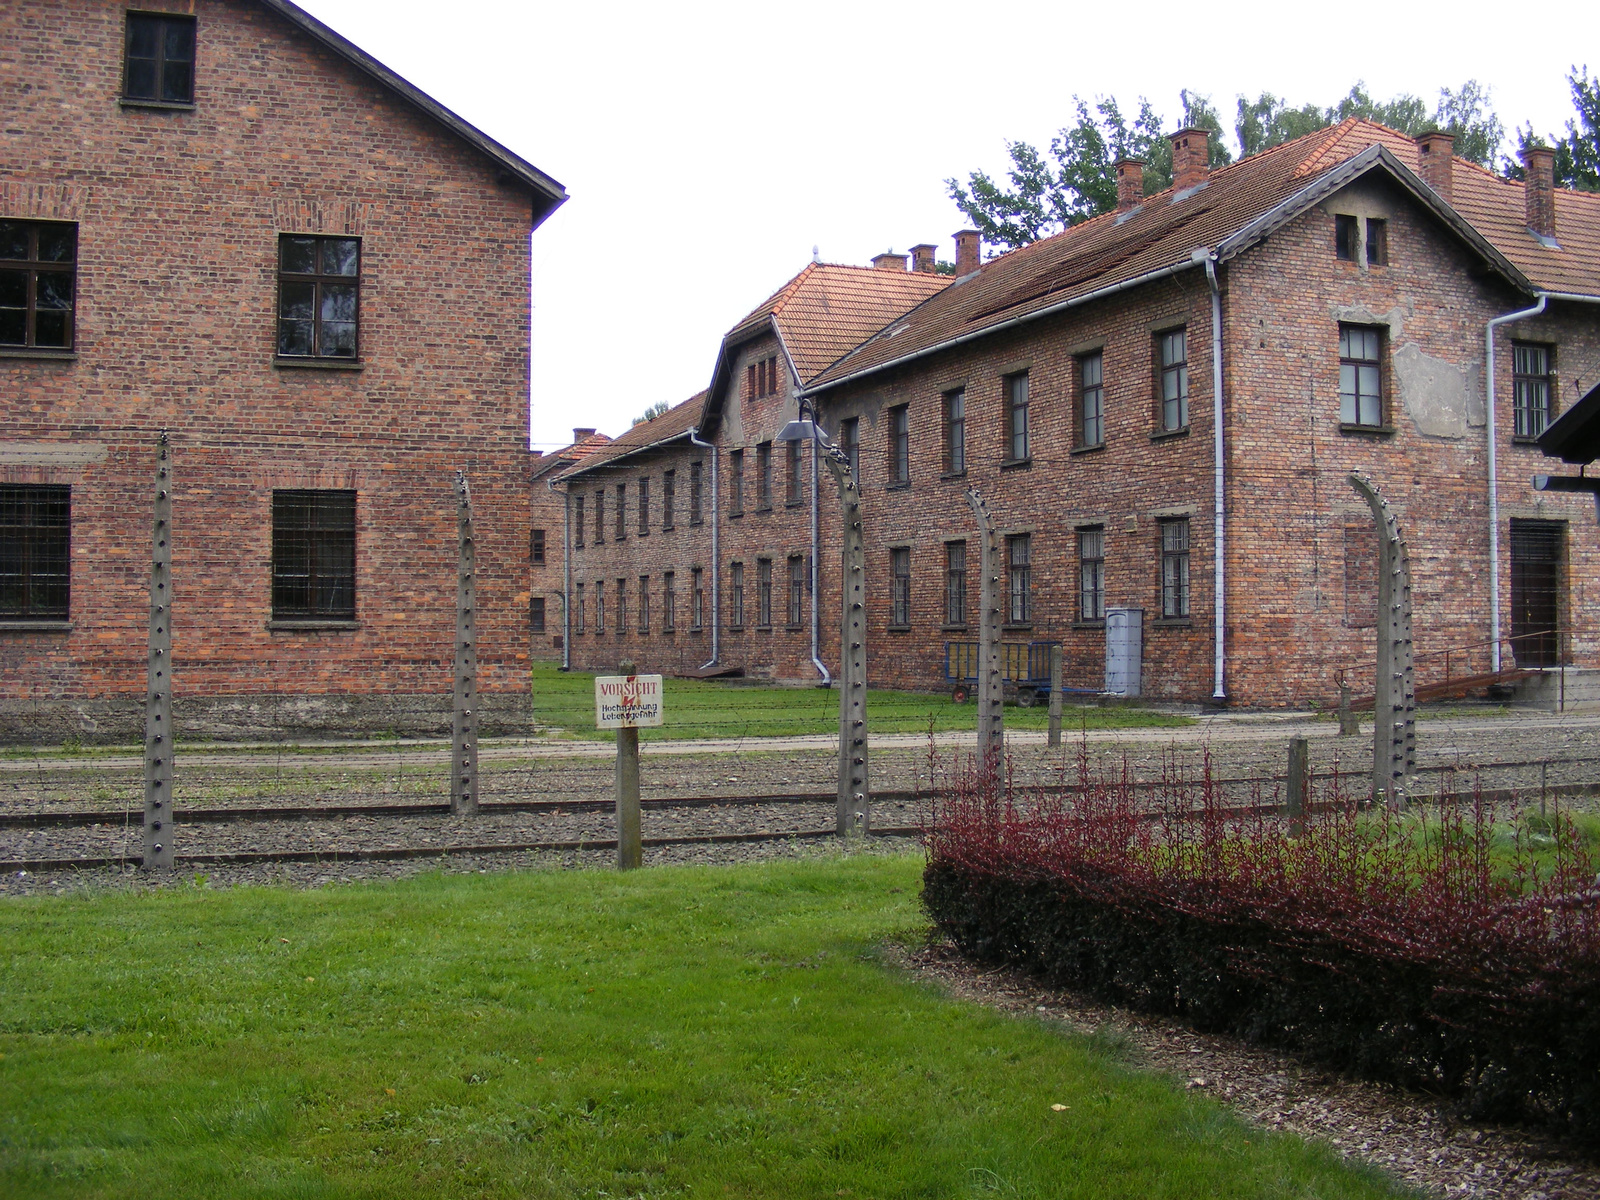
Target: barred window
<point x="764" y="592"/>
<point x="644" y="507"/>
<point x="1175" y="568"/>
<point x="955" y="432"/>
<point x="736" y="595"/>
<point x="622" y="606"/>
<point x="735" y="483"/>
<point x="536" y="614"/>
<point x="764" y="475"/>
<point x="694" y="493"/>
<point x="644" y="604"/>
<point x="900" y="586"/>
<point x="621" y="531"/>
<point x="313" y="555"/>
<point x="797" y="589"/>
<point x="1017" y="417"/>
<point x="1173" y="350"/>
<point x="1019" y="573"/>
<point x="1531" y="388"/>
<point x="599" y="606"/>
<point x="38" y="284"/>
<point x="319" y="296"/>
<point x="1091" y="400"/>
<point x="955" y="583"/>
<point x="1360" y="376"/>
<point x="1346" y="234"/>
<point x="669" y="602"/>
<point x="577" y="523"/>
<point x="600" y="517"/>
<point x="669" y="498"/>
<point x="1092" y="574"/>
<point x="579" y="611"/>
<point x="536" y="547"/>
<point x="697" y="598"/>
<point x="35" y="551"/>
<point x="1377" y="242"/>
<point x="899" y="445"/>
<point x="158" y="61"/>
<point x="796" y="491"/>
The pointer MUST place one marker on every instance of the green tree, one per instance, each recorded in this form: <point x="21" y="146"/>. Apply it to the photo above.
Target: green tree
<point x="1268" y="121"/>
<point x="1076" y="178"/>
<point x="1578" y="153"/>
<point x="657" y="409"/>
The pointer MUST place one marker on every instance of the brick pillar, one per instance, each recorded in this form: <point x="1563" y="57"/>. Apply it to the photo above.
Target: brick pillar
<point x="1539" y="189"/>
<point x="1191" y="157"/>
<point x="889" y="261"/>
<point x="1436" y="155"/>
<point x="966" y="251"/>
<point x="922" y="258"/>
<point x="1130" y="183"/>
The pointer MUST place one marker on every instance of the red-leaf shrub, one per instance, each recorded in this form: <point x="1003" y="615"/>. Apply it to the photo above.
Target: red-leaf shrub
<point x="1435" y="951"/>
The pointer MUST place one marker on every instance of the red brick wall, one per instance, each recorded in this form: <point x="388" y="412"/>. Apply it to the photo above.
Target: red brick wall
<point x="178" y="216"/>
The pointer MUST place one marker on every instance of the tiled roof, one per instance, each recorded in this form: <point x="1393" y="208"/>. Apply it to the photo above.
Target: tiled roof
<point x="1163" y="233"/>
<point x="567" y="455"/>
<point x="675" y="423"/>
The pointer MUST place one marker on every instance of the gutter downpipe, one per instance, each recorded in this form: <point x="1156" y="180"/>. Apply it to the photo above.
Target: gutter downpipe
<point x="716" y="558"/>
<point x="1219" y="572"/>
<point x="1494" y="481"/>
<point x="566" y="574"/>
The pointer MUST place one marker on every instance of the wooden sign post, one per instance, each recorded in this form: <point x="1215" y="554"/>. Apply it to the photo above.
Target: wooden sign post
<point x="626" y="703"/>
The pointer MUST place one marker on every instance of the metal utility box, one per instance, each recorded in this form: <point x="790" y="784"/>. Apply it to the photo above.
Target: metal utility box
<point x="1124" y="651"/>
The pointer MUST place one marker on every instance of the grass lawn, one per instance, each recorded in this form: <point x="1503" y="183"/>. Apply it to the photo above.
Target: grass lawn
<point x="673" y="1032"/>
<point x="706" y="708"/>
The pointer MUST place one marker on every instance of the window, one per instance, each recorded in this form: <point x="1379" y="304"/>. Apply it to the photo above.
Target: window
<point x="764" y="475"/>
<point x="599" y="606"/>
<point x="536" y="547"/>
<point x="1091" y="400"/>
<point x="644" y="604"/>
<point x="1377" y="242"/>
<point x="158" y="65"/>
<point x="697" y="598"/>
<point x="669" y="499"/>
<point x="1531" y="390"/>
<point x="621" y="531"/>
<point x="850" y="443"/>
<point x="795" y="493"/>
<point x="955" y="583"/>
<point x="35" y="551"/>
<point x="764" y="592"/>
<point x="536" y="614"/>
<point x="1019" y="578"/>
<point x="736" y="595"/>
<point x="900" y="587"/>
<point x="797" y="589"/>
<point x="899" y="446"/>
<point x="955" y="432"/>
<point x="313" y="555"/>
<point x="1092" y="574"/>
<point x="1360" y="382"/>
<point x="1173" y="349"/>
<point x="750" y="384"/>
<point x="1345" y="234"/>
<point x="1017" y="417"/>
<point x="669" y="602"/>
<point x="644" y="507"/>
<point x="580" y="613"/>
<point x="622" y="606"/>
<point x="319" y="296"/>
<point x="735" y="483"/>
<point x="38" y="274"/>
<point x="761" y="378"/>
<point x="1175" y="568"/>
<point x="694" y="493"/>
<point x="577" y="523"/>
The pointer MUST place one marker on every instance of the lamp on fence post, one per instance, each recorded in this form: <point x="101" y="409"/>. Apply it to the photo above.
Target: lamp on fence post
<point x="853" y="816"/>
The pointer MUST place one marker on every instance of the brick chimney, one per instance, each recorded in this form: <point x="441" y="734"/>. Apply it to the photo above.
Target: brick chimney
<point x="1539" y="189"/>
<point x="1436" y="155"/>
<point x="1130" y="183"/>
<point x="922" y="258"/>
<point x="1191" y="157"/>
<point x="579" y="434"/>
<point x="966" y="251"/>
<point x="889" y="261"/>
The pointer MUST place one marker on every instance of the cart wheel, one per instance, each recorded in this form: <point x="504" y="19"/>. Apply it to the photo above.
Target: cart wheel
<point x="1027" y="697"/>
<point x="960" y="694"/>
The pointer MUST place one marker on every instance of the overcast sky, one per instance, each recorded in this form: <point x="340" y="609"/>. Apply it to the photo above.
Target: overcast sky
<point x="708" y="147"/>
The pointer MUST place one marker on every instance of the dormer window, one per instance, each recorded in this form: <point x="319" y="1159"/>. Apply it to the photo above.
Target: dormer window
<point x="158" y="67"/>
<point x="1346" y="237"/>
<point x="1377" y="242"/>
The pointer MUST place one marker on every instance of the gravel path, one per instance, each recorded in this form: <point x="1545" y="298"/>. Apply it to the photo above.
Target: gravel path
<point x="1409" y="1136"/>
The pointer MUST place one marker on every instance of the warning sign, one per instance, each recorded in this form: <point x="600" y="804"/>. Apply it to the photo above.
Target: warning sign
<point x="627" y="701"/>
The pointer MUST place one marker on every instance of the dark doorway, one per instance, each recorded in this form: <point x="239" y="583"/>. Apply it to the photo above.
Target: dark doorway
<point x="1537" y="550"/>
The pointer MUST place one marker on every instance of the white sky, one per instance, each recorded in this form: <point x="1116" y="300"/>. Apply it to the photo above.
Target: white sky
<point x="708" y="146"/>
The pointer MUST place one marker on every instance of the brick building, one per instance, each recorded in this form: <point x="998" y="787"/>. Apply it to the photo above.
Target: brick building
<point x="671" y="527"/>
<point x="1339" y="301"/>
<point x="221" y="219"/>
<point x="546" y="539"/>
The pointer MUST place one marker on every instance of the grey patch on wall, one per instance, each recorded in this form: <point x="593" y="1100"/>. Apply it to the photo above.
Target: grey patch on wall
<point x="1360" y="314"/>
<point x="1436" y="395"/>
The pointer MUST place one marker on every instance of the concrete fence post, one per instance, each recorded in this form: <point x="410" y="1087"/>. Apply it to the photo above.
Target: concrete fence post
<point x="853" y="813"/>
<point x="630" y="838"/>
<point x="991" y="682"/>
<point x="1055" y="696"/>
<point x="464" y="719"/>
<point x="1394" y="736"/>
<point x="159" y="830"/>
<point x="1297" y="792"/>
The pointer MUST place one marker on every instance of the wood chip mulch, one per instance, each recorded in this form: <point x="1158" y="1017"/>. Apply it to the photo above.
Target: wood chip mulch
<point x="1412" y="1137"/>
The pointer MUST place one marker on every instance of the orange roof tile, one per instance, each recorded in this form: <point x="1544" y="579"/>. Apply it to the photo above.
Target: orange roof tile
<point x="676" y="422"/>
